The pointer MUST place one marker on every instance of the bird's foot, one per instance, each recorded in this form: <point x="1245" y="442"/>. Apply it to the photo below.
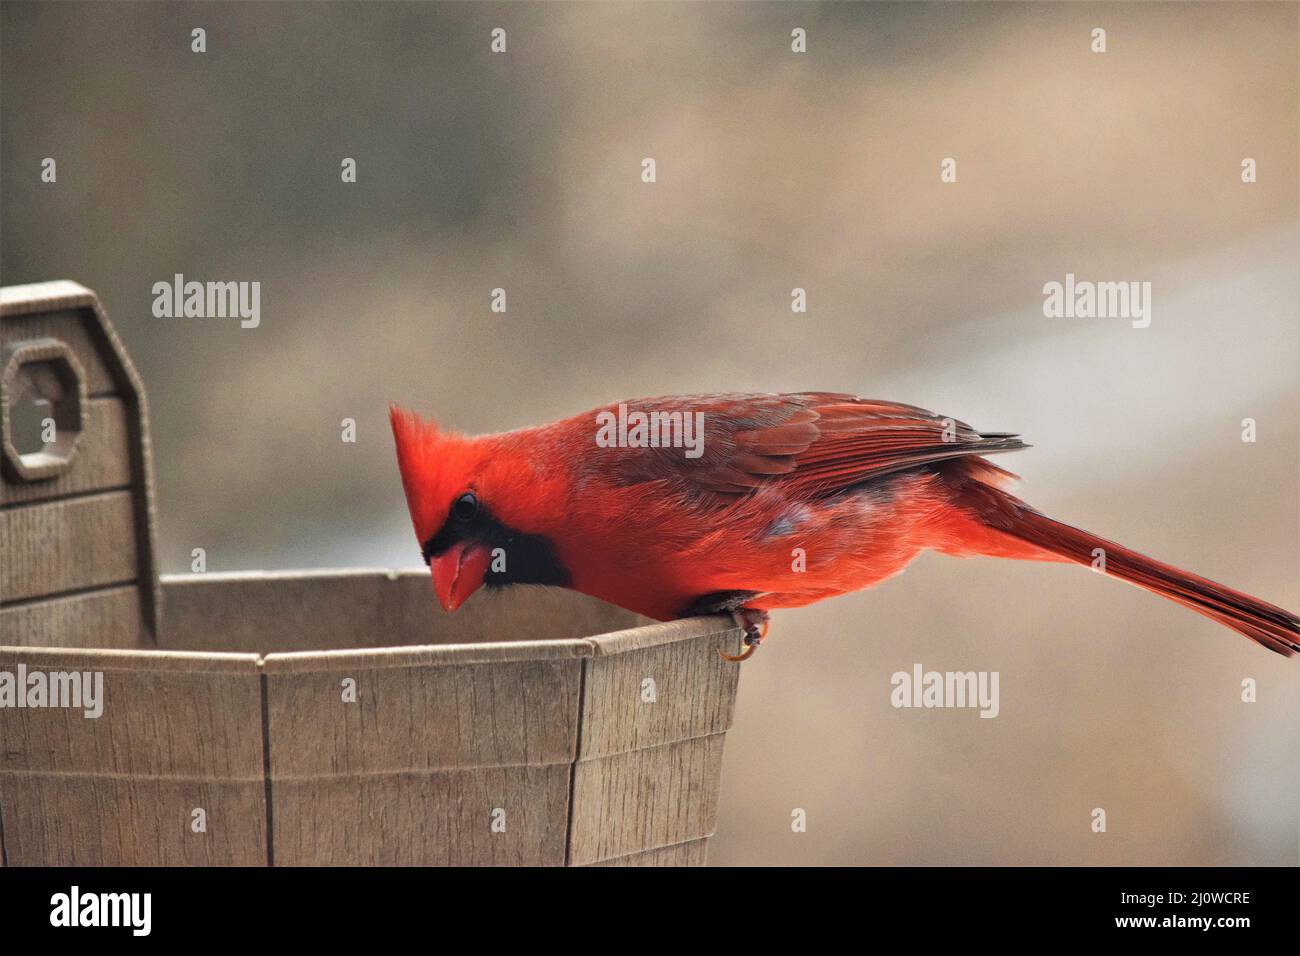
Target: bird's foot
<point x="749" y="620"/>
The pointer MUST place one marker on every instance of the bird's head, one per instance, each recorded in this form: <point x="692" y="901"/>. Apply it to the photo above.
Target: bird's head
<point x="480" y="506"/>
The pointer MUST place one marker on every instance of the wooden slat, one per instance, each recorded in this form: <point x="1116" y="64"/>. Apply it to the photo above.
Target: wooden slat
<point x="72" y="326"/>
<point x="147" y="662"/>
<point x="515" y="614"/>
<point x="164" y="715"/>
<point x="646" y="633"/>
<point x="694" y="690"/>
<point x="417" y="718"/>
<point x="441" y="655"/>
<point x="411" y="772"/>
<point x="646" y="783"/>
<point x="82" y="821"/>
<point x="100" y="619"/>
<point x="67" y="545"/>
<point x="102" y="461"/>
<point x="644" y="799"/>
<point x="423" y="819"/>
<point x="177" y="732"/>
<point x="264" y="613"/>
<point x="305" y="611"/>
<point x="694" y="853"/>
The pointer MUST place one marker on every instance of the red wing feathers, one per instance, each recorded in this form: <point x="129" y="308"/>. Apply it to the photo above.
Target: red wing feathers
<point x="814" y="443"/>
<point x="863" y="439"/>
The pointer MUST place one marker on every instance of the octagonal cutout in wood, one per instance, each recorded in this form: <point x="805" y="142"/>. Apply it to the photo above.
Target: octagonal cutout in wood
<point x="41" y="374"/>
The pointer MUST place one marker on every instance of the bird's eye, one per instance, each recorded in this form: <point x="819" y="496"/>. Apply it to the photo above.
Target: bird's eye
<point x="465" y="507"/>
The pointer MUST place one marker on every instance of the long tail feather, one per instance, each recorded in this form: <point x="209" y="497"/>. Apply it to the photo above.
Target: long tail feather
<point x="1266" y="624"/>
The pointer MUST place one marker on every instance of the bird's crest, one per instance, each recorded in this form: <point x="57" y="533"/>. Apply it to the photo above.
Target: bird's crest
<point x="435" y="465"/>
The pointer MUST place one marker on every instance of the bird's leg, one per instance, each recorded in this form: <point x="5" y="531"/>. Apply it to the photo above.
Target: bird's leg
<point x="749" y="620"/>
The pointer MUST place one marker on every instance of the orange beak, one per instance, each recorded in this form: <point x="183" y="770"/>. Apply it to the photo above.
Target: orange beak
<point x="458" y="572"/>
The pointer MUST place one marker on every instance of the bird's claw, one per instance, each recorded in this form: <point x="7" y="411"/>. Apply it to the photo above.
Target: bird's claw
<point x="748" y="620"/>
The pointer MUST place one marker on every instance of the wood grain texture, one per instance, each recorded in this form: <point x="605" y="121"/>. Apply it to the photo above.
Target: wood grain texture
<point x="438" y="738"/>
<point x="119" y="789"/>
<point x="67" y="545"/>
<point x="102" y="462"/>
<point x="514" y="614"/>
<point x="644" y="799"/>
<point x="640" y="636"/>
<point x="694" y="853"/>
<point x="309" y="611"/>
<point x="72" y="315"/>
<point x="440" y="818"/>
<point x="105" y="821"/>
<point x="266" y="613"/>
<point x="444" y="655"/>
<point x="74" y="326"/>
<point x="420" y="718"/>
<point x="693" y="690"/>
<point x="649" y="770"/>
<point x="411" y="772"/>
<point x="110" y="618"/>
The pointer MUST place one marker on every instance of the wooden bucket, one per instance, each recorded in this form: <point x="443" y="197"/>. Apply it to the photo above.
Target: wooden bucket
<point x="308" y="717"/>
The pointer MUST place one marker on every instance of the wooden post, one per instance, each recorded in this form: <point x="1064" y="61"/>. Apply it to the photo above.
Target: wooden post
<point x="76" y="517"/>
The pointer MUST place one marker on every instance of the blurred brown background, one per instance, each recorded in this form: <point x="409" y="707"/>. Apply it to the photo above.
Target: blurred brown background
<point x="775" y="170"/>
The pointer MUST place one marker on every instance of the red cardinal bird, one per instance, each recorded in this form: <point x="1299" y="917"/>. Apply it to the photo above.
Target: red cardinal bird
<point x="861" y="486"/>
